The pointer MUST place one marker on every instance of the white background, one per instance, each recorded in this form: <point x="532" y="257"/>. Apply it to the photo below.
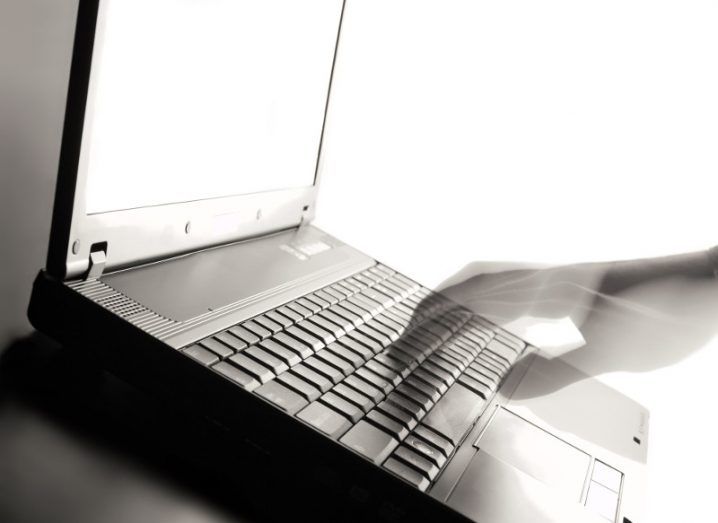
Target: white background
<point x="553" y="131"/>
<point x="461" y="131"/>
<point x="523" y="130"/>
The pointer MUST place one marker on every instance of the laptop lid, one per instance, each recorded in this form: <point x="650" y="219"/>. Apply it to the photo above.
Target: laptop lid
<point x="189" y="124"/>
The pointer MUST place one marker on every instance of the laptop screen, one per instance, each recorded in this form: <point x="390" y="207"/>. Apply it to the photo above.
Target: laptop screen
<point x="197" y="99"/>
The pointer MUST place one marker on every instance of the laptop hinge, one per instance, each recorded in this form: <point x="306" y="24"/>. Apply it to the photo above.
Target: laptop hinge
<point x="98" y="260"/>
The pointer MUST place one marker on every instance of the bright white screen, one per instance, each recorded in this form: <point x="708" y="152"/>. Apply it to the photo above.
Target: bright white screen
<point x="194" y="99"/>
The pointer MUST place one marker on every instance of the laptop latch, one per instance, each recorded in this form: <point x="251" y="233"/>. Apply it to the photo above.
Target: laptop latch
<point x="98" y="259"/>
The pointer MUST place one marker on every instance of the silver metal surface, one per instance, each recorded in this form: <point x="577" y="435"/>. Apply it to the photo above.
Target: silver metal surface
<point x="492" y="491"/>
<point x="207" y="291"/>
<point x="546" y="453"/>
<point x="536" y="452"/>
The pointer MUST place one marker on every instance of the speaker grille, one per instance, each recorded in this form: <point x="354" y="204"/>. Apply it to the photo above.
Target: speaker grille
<point x="123" y="306"/>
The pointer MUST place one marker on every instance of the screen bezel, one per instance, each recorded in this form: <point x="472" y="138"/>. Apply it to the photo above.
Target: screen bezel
<point x="145" y="234"/>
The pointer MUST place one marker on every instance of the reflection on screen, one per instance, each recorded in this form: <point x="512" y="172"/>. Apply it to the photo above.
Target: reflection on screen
<point x="194" y="99"/>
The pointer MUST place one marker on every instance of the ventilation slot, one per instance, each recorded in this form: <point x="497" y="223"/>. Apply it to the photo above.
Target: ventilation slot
<point x="124" y="307"/>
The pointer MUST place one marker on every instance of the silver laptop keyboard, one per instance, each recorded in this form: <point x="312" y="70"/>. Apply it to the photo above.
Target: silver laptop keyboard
<point x="392" y="370"/>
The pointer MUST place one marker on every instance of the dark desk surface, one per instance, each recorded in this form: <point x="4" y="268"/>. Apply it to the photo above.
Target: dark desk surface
<point x="77" y="445"/>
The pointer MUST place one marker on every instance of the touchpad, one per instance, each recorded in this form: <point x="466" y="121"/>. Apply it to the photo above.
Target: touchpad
<point x="541" y="455"/>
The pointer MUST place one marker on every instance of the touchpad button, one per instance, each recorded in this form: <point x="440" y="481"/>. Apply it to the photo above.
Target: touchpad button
<point x="537" y="453"/>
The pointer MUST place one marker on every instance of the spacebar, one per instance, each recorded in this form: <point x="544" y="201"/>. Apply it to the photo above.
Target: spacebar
<point x="455" y="413"/>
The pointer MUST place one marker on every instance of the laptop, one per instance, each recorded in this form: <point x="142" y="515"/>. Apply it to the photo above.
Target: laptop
<point x="183" y="258"/>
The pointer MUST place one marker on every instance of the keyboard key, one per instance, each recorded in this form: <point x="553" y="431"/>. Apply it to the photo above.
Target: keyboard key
<point x="392" y="411"/>
<point x="307" y="304"/>
<point x="479" y="341"/>
<point x="384" y="422"/>
<point x="393" y="329"/>
<point x="440" y="372"/>
<point x="300" y="310"/>
<point x="378" y="332"/>
<point x="437" y="329"/>
<point x="510" y="340"/>
<point x="342" y="406"/>
<point x="342" y="289"/>
<point x="417" y="461"/>
<point x="414" y="395"/>
<point x="312" y="341"/>
<point x="284" y="398"/>
<point x="471" y="373"/>
<point x="423" y="387"/>
<point x="483" y="369"/>
<point x="373" y="379"/>
<point x="356" y="283"/>
<point x="289" y="357"/>
<point x="300" y="348"/>
<point x="454" y="357"/>
<point x="434" y="440"/>
<point x="220" y="349"/>
<point x="356" y="311"/>
<point x="243" y="334"/>
<point x="354" y="397"/>
<point x="327" y="420"/>
<point x="298" y="385"/>
<point x="314" y="329"/>
<point x="397" y="317"/>
<point x="352" y="286"/>
<point x="251" y="367"/>
<point x="398" y="360"/>
<point x="354" y="359"/>
<point x="407" y="474"/>
<point x="476" y="386"/>
<point x="241" y="378"/>
<point x="491" y="364"/>
<point x="291" y="314"/>
<point x="331" y="291"/>
<point x="202" y="355"/>
<point x="388" y="374"/>
<point x="369" y="441"/>
<point x="277" y="317"/>
<point x="358" y="343"/>
<point x="335" y="361"/>
<point x="269" y="324"/>
<point x="370" y="391"/>
<point x="502" y="351"/>
<point x="457" y="353"/>
<point x="329" y="326"/>
<point x="372" y="308"/>
<point x="413" y="354"/>
<point x="256" y="328"/>
<point x="393" y="362"/>
<point x="327" y="296"/>
<point x="364" y="279"/>
<point x="349" y="317"/>
<point x="501" y="363"/>
<point x="265" y="358"/>
<point x="343" y="323"/>
<point x="426" y="450"/>
<point x="314" y="298"/>
<point x="231" y="341"/>
<point x="413" y="408"/>
<point x="378" y="296"/>
<point x="331" y="373"/>
<point x="311" y="377"/>
<point x="431" y="380"/>
<point x="455" y="413"/>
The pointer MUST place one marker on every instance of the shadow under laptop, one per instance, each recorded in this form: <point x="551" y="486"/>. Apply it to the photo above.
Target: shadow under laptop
<point x="595" y="318"/>
<point x="78" y="444"/>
